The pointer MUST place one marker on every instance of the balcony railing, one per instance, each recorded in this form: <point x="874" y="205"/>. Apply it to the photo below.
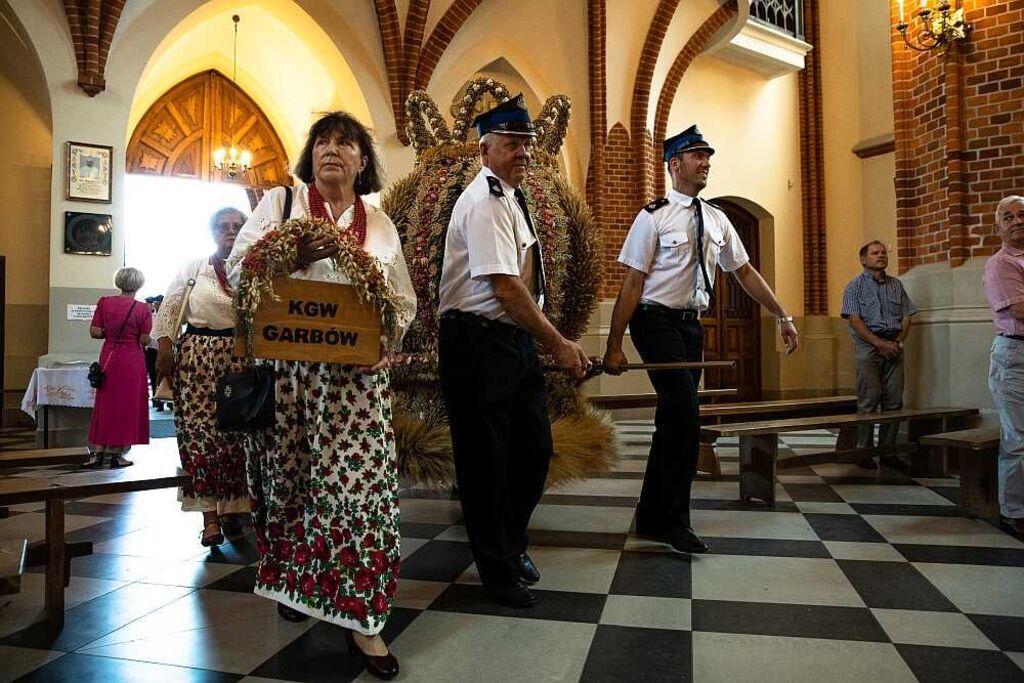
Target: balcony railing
<point x="784" y="15"/>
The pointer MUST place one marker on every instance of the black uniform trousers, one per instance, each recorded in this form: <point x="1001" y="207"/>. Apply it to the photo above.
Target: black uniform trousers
<point x="497" y="409"/>
<point x="662" y="335"/>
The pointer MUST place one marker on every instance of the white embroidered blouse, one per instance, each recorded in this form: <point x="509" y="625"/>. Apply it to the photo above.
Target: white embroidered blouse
<point x="208" y="305"/>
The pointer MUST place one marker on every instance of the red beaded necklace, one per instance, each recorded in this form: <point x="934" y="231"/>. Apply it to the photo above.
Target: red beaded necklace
<point x="318" y="210"/>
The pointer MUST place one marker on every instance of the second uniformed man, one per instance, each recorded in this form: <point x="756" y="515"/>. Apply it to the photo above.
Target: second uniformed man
<point x="665" y="289"/>
<point x="491" y="300"/>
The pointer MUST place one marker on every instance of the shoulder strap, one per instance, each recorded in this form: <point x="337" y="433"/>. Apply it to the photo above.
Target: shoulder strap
<point x="121" y="331"/>
<point x="287" y="203"/>
<point x="656" y="204"/>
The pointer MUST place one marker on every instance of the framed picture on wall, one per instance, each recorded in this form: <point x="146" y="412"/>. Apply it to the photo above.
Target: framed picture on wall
<point x="88" y="172"/>
<point x="88" y="233"/>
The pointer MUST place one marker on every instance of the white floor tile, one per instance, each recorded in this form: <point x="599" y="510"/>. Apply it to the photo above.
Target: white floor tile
<point x="940" y="629"/>
<point x="582" y="518"/>
<point x="892" y="495"/>
<point x="645" y="612"/>
<point x="849" y="550"/>
<point x="979" y="589"/>
<point x="752" y="524"/>
<point x="940" y="531"/>
<point x="796" y="580"/>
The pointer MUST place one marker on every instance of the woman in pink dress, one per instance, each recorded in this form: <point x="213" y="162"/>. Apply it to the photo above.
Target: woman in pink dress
<point x="120" y="416"/>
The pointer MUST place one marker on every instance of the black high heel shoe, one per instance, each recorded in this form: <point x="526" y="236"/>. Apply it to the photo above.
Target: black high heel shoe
<point x="384" y="668"/>
<point x="96" y="461"/>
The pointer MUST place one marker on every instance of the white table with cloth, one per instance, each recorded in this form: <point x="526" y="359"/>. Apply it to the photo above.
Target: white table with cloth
<point x="65" y="385"/>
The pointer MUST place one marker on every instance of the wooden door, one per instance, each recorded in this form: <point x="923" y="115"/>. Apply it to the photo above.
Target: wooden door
<point x="176" y="136"/>
<point x="732" y="328"/>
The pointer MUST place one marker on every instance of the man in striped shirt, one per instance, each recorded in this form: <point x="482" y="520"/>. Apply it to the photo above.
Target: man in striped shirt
<point x="878" y="310"/>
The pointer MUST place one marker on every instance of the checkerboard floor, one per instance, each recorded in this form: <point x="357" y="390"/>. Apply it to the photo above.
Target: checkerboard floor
<point x="854" y="575"/>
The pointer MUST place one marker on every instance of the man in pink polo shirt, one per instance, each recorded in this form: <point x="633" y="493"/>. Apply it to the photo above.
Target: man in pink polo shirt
<point x="1004" y="287"/>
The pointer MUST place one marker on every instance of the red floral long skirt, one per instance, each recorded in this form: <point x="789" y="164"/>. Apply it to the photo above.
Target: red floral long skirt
<point x="214" y="459"/>
<point x="324" y="482"/>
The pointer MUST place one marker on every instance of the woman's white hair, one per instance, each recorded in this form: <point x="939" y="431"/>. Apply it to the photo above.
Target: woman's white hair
<point x="129" y="279"/>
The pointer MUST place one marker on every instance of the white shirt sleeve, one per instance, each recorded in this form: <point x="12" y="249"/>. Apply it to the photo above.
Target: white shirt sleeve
<point x="733" y="254"/>
<point x="641" y="243"/>
<point x="267" y="213"/>
<point x="174" y="299"/>
<point x="491" y="239"/>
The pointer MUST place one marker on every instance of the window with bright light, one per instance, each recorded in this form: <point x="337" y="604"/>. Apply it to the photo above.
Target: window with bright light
<point x="168" y="223"/>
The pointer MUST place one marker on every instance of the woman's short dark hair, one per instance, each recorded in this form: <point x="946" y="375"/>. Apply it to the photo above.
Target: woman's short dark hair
<point x="220" y="213"/>
<point x="369" y="180"/>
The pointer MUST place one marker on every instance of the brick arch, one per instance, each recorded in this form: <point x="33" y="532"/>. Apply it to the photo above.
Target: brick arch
<point x="642" y="89"/>
<point x="697" y="43"/>
<point x="177" y="135"/>
<point x="450" y="23"/>
<point x="391" y="43"/>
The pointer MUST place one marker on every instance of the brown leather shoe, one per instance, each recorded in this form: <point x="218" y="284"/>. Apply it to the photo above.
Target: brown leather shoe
<point x="384" y="667"/>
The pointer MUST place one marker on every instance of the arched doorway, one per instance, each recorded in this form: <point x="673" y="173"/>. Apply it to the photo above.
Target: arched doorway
<point x="732" y="329"/>
<point x="178" y="134"/>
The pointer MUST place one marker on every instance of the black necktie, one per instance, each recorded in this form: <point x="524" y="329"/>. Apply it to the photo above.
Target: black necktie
<point x="521" y="199"/>
<point x="699" y="214"/>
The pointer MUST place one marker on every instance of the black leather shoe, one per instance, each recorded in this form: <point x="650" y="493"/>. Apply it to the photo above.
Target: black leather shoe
<point x="527" y="569"/>
<point x="289" y="614"/>
<point x="685" y="540"/>
<point x="384" y="667"/>
<point x="516" y="595"/>
<point x="867" y="464"/>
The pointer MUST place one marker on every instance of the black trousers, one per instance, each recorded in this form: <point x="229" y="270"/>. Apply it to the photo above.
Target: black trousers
<point x="151" y="367"/>
<point x="496" y="399"/>
<point x="662" y="335"/>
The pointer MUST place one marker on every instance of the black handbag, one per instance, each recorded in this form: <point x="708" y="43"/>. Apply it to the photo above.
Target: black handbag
<point x="96" y="373"/>
<point x="246" y="400"/>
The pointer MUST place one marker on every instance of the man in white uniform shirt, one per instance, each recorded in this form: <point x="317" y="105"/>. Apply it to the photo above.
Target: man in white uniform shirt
<point x="662" y="296"/>
<point x="491" y="308"/>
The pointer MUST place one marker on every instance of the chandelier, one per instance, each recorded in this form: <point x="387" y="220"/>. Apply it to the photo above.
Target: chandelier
<point x="232" y="160"/>
<point x="940" y="25"/>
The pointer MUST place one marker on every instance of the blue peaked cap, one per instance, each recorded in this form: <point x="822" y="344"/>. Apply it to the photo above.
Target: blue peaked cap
<point x="690" y="140"/>
<point x="508" y="118"/>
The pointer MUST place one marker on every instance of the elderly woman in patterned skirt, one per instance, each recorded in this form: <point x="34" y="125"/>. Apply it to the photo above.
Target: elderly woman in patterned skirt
<point x="215" y="460"/>
<point x="325" y="477"/>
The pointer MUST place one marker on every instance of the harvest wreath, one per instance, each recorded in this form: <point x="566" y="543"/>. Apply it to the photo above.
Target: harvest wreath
<point x="276" y="254"/>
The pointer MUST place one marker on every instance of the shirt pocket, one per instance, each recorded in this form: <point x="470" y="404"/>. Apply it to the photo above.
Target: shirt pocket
<point x="894" y="303"/>
<point x="672" y="239"/>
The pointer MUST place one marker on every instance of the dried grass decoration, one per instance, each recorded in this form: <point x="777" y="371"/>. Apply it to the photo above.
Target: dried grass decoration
<point x="276" y="253"/>
<point x="420" y="205"/>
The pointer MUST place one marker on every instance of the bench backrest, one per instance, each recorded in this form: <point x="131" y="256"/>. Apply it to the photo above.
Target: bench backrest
<point x="796" y="424"/>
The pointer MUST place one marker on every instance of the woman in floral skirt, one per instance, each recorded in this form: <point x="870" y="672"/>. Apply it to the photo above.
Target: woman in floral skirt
<point x="324" y="478"/>
<point x="215" y="460"/>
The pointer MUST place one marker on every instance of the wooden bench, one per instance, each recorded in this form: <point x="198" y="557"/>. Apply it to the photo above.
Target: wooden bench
<point x="156" y="467"/>
<point x="793" y="407"/>
<point x="647" y="400"/>
<point x="977" y="451"/>
<point x="43" y="456"/>
<point x="759" y="443"/>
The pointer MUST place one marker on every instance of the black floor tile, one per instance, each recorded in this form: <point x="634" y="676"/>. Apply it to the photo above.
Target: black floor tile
<point x="798" y="621"/>
<point x="894" y="585"/>
<point x="950" y="493"/>
<point x="438" y="561"/>
<point x="235" y="551"/>
<point x="576" y="539"/>
<point x="662" y="575"/>
<point x="320" y="653"/>
<point x="620" y="653"/>
<point x="799" y="470"/>
<point x="553" y="605"/>
<point x="739" y="506"/>
<point x="421" y="529"/>
<point x="104" y="531"/>
<point x="764" y="547"/>
<point x="241" y="581"/>
<point x="78" y="668"/>
<point x="951" y="554"/>
<point x="955" y="665"/>
<point x="594" y="501"/>
<point x="843" y="528"/>
<point x="1006" y="632"/>
<point x="906" y="510"/>
<point x="812" y="493"/>
<point x="105" y="566"/>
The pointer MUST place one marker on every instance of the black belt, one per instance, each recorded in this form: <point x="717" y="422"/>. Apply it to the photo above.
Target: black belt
<point x="1018" y="337"/>
<point x="888" y="335"/>
<point x="207" y="332"/>
<point x="481" y="321"/>
<point x="682" y="313"/>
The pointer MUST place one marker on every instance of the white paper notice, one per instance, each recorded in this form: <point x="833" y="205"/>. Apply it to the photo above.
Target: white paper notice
<point x="81" y="311"/>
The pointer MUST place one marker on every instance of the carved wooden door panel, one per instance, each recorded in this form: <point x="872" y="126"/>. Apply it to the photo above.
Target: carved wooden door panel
<point x="178" y="134"/>
<point x="732" y="327"/>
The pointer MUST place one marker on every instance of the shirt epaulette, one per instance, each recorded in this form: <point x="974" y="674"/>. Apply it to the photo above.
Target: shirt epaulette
<point x="495" y="185"/>
<point x="656" y="204"/>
